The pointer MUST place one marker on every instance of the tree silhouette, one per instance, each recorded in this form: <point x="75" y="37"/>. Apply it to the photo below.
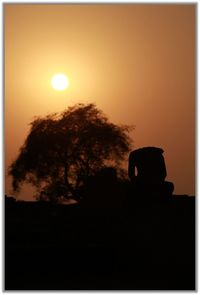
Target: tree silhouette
<point x="62" y="150"/>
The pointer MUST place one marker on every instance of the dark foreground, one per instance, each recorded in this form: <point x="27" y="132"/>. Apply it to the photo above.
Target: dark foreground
<point x="140" y="247"/>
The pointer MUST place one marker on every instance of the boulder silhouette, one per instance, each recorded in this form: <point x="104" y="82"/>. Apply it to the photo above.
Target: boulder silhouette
<point x="147" y="172"/>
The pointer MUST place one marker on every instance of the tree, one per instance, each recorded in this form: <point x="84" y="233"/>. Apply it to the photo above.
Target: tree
<point x="62" y="150"/>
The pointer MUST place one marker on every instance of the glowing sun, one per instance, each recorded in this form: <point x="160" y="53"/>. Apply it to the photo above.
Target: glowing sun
<point x="60" y="82"/>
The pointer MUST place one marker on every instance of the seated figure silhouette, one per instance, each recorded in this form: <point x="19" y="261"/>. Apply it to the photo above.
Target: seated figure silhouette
<point x="147" y="171"/>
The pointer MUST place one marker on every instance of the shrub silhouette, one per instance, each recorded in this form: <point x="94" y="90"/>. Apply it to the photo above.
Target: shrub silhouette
<point x="106" y="186"/>
<point x="62" y="150"/>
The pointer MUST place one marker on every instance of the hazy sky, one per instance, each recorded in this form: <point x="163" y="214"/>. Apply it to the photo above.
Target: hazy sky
<point x="135" y="61"/>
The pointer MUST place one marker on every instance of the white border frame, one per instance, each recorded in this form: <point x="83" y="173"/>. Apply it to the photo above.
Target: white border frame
<point x="2" y="151"/>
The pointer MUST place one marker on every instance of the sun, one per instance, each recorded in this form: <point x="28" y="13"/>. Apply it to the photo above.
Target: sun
<point x="60" y="82"/>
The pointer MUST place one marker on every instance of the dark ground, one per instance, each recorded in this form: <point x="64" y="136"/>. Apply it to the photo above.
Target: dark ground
<point x="140" y="247"/>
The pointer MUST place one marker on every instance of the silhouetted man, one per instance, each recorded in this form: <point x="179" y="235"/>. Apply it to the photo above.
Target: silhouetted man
<point x="147" y="169"/>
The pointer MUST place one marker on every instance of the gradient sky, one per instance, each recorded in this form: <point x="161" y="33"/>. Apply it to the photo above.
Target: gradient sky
<point x="136" y="62"/>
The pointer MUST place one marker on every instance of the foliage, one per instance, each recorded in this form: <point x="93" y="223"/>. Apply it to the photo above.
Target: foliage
<point x="62" y="150"/>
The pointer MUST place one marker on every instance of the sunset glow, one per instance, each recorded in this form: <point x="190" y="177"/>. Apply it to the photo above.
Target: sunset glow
<point x="132" y="61"/>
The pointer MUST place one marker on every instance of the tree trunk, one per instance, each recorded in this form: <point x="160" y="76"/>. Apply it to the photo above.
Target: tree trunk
<point x="68" y="185"/>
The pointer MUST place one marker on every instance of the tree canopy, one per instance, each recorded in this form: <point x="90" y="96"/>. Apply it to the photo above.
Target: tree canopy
<point x="62" y="150"/>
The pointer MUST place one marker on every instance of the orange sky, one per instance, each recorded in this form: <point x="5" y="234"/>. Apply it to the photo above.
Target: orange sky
<point x="136" y="62"/>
